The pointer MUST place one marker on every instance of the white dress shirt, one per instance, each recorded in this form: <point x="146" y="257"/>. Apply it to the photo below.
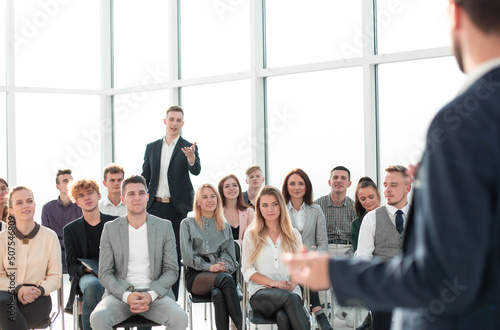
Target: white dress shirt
<point x="166" y="154"/>
<point x="106" y="207"/>
<point x="366" y="241"/>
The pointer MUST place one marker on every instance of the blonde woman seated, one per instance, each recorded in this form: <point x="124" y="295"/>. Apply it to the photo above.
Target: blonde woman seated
<point x="237" y="213"/>
<point x="207" y="249"/>
<point x="270" y="289"/>
<point x="27" y="280"/>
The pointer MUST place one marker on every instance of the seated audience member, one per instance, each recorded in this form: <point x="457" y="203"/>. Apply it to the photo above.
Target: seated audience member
<point x="254" y="179"/>
<point x="137" y="280"/>
<point x="207" y="249"/>
<point x="82" y="238"/>
<point x="4" y="209"/>
<point x="112" y="203"/>
<point x="237" y="213"/>
<point x="27" y="280"/>
<point x="338" y="209"/>
<point x="59" y="212"/>
<point x="366" y="199"/>
<point x="381" y="232"/>
<point x="269" y="287"/>
<point x="309" y="220"/>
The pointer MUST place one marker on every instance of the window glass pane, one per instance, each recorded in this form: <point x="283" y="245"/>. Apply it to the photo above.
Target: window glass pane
<point x="217" y="117"/>
<point x="3" y="42"/>
<point x="3" y="138"/>
<point x="301" y="32"/>
<point x="215" y="37"/>
<point x="55" y="132"/>
<point x="405" y="25"/>
<point x="315" y="122"/>
<point x="57" y="43"/>
<point x="138" y="119"/>
<point x="411" y="93"/>
<point x="140" y="42"/>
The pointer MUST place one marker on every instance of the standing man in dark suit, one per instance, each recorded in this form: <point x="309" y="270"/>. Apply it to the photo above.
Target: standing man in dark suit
<point x="448" y="276"/>
<point x="167" y="164"/>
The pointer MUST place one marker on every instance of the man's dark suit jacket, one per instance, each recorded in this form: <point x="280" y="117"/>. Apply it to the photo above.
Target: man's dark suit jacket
<point x="75" y="241"/>
<point x="449" y="274"/>
<point x="181" y="189"/>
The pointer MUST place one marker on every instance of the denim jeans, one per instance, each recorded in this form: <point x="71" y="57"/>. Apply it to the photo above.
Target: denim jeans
<point x="92" y="294"/>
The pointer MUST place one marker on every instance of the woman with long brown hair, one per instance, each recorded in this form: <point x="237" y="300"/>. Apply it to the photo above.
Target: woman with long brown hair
<point x="270" y="289"/>
<point x="207" y="249"/>
<point x="237" y="213"/>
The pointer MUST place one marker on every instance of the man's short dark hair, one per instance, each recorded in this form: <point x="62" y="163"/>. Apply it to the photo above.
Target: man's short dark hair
<point x="113" y="169"/>
<point x="341" y="168"/>
<point x="175" y="108"/>
<point x="62" y="172"/>
<point x="133" y="179"/>
<point x="485" y="14"/>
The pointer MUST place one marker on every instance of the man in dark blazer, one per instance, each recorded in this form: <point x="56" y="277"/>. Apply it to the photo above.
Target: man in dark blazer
<point x="167" y="165"/>
<point x="448" y="276"/>
<point x="82" y="238"/>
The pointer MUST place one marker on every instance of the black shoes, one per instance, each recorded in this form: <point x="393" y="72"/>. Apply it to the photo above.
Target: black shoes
<point x="323" y="322"/>
<point x="367" y="323"/>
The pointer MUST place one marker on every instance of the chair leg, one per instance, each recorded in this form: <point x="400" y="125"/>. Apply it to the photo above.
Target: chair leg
<point x="211" y="317"/>
<point x="190" y="306"/>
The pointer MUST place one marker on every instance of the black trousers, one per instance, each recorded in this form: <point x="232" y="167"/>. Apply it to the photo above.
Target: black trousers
<point x="169" y="212"/>
<point x="381" y="320"/>
<point x="286" y="305"/>
<point x="16" y="316"/>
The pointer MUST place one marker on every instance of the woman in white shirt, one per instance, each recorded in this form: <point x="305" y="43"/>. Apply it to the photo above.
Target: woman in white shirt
<point x="207" y="249"/>
<point x="237" y="213"/>
<point x="270" y="289"/>
<point x="309" y="220"/>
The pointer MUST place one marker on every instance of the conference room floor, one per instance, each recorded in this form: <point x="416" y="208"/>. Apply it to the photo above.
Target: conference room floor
<point x="199" y="322"/>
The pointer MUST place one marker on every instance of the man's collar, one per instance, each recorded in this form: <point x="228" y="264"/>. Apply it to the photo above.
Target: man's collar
<point x="341" y="204"/>
<point x="174" y="141"/>
<point x="479" y="72"/>
<point x="107" y="202"/>
<point x="392" y="210"/>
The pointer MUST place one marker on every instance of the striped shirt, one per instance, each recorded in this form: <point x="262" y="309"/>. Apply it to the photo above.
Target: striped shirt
<point x="338" y="218"/>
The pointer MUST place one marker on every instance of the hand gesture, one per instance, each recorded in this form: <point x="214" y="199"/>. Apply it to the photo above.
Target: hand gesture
<point x="139" y="302"/>
<point x="189" y="152"/>
<point x="28" y="294"/>
<point x="219" y="267"/>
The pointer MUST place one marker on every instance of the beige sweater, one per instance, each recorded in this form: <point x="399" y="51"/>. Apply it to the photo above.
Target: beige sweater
<point x="38" y="262"/>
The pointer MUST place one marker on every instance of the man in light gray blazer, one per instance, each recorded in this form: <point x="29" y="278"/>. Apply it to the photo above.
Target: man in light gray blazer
<point x="137" y="279"/>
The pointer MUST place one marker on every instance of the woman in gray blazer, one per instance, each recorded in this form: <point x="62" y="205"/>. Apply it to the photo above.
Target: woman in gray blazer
<point x="309" y="220"/>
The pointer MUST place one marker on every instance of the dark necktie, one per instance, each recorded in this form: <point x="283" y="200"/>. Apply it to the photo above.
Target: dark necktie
<point x="399" y="221"/>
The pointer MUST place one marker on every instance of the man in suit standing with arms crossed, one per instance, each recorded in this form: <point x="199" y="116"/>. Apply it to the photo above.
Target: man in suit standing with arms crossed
<point x="447" y="277"/>
<point x="137" y="281"/>
<point x="167" y="164"/>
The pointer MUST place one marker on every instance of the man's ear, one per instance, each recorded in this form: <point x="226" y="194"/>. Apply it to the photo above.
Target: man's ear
<point x="455" y="15"/>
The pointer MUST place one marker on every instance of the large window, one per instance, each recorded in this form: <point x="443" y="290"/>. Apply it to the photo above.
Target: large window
<point x="3" y="42"/>
<point x="405" y="25"/>
<point x="138" y="119"/>
<point x="408" y="102"/>
<point x="57" y="43"/>
<point x="3" y="138"/>
<point x="49" y="138"/>
<point x="315" y="122"/>
<point x="140" y="37"/>
<point x="217" y="117"/>
<point x="301" y="32"/>
<point x="215" y="37"/>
